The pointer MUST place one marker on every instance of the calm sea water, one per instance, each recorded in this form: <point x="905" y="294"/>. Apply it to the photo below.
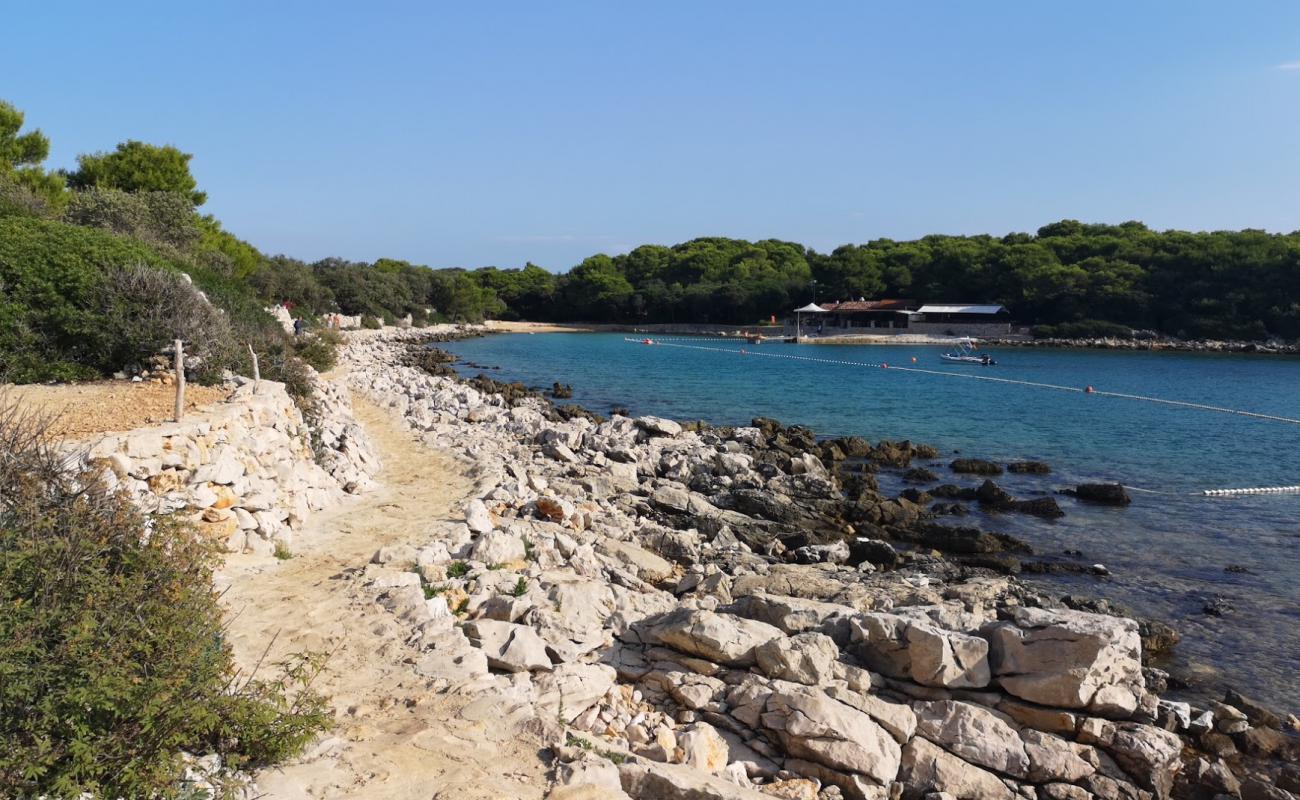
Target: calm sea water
<point x="1167" y="552"/>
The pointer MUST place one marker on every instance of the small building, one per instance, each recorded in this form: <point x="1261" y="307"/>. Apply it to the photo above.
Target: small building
<point x="846" y="315"/>
<point x="962" y="314"/>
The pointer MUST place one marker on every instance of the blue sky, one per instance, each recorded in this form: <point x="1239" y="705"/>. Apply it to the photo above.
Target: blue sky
<point x="467" y="134"/>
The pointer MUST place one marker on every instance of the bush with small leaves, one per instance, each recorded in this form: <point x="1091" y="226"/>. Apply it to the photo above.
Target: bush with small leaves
<point x="113" y="657"/>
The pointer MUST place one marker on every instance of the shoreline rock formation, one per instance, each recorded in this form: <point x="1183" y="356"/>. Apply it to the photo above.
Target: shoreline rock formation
<point x="721" y="614"/>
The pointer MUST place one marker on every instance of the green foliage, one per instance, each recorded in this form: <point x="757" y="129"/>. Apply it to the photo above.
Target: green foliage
<point x="25" y="188"/>
<point x="19" y="150"/>
<point x="458" y="297"/>
<point x="1083" y="329"/>
<point x="223" y="252"/>
<point x="1221" y="284"/>
<point x="112" y="655"/>
<point x="457" y="569"/>
<point x="282" y="552"/>
<point x="159" y="219"/>
<point x="146" y="308"/>
<point x="520" y="589"/>
<point x="80" y="303"/>
<point x="362" y="289"/>
<point x="281" y="279"/>
<point x="370" y="323"/>
<point x="138" y="167"/>
<point x="319" y="349"/>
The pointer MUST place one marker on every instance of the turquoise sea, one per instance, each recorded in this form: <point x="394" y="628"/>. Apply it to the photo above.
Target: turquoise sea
<point x="1167" y="552"/>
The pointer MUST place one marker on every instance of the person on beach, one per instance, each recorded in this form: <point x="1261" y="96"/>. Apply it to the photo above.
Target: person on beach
<point x="297" y="327"/>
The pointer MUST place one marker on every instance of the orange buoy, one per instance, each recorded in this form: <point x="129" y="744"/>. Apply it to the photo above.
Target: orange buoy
<point x="884" y="366"/>
<point x="1088" y="390"/>
<point x="913" y="359"/>
<point x="647" y="341"/>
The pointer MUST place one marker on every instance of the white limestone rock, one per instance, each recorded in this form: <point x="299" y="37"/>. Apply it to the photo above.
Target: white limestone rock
<point x="508" y="647"/>
<point x="920" y="651"/>
<point x="806" y="658"/>
<point x="720" y="638"/>
<point x="1069" y="659"/>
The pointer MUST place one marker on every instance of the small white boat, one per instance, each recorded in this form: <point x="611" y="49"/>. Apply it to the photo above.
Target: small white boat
<point x="966" y="355"/>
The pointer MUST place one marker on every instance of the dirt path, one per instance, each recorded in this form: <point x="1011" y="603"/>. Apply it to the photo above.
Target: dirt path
<point x="80" y="410"/>
<point x="395" y="735"/>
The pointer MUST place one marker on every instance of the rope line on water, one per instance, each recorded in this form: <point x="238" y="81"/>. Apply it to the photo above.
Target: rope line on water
<point x="1230" y="492"/>
<point x="986" y="378"/>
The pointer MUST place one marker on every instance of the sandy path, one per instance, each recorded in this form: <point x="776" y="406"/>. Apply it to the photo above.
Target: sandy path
<point x="506" y="326"/>
<point x="395" y="736"/>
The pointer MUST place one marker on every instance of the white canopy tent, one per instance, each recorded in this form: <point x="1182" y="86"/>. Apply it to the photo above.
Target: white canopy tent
<point x="811" y="308"/>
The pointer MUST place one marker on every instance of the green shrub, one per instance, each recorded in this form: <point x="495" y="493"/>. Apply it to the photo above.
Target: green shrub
<point x="370" y="322"/>
<point x="1083" y="329"/>
<point x="19" y="200"/>
<point x="78" y="303"/>
<point x="146" y="309"/>
<point x="112" y="651"/>
<point x="319" y="348"/>
<point x="159" y="219"/>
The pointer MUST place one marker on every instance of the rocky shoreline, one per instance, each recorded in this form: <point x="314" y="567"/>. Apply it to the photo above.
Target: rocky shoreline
<point x="1154" y="343"/>
<point x="740" y="613"/>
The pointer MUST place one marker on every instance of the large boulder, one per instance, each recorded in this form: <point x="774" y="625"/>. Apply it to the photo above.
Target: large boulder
<point x="812" y="726"/>
<point x="658" y="426"/>
<point x="509" y="647"/>
<point x="703" y="748"/>
<point x="926" y="767"/>
<point x="498" y="547"/>
<point x="974" y="734"/>
<point x="991" y="740"/>
<point x="477" y="516"/>
<point x="648" y="567"/>
<point x="807" y="658"/>
<point x="1069" y="659"/>
<point x="1149" y="754"/>
<point x="647" y="780"/>
<point x="919" y="651"/>
<point x="571" y="689"/>
<point x="897" y="718"/>
<point x="721" y="638"/>
<point x="792" y="614"/>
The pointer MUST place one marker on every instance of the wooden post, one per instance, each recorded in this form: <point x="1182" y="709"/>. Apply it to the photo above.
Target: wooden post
<point x="257" y="374"/>
<point x="180" y="380"/>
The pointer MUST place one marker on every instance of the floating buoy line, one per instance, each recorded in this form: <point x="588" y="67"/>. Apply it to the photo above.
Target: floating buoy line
<point x="681" y="342"/>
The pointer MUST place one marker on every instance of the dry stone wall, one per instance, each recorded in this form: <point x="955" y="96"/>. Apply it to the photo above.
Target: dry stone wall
<point x="246" y="469"/>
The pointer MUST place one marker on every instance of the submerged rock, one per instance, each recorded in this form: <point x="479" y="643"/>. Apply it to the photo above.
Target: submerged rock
<point x="1108" y="494"/>
<point x="975" y="466"/>
<point x="1029" y="468"/>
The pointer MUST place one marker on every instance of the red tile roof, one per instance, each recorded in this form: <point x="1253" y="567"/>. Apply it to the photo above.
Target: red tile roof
<point x="871" y="305"/>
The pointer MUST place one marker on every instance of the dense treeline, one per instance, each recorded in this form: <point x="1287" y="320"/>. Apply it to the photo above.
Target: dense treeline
<point x="1223" y="284"/>
<point x="1067" y="278"/>
<point x="1074" y="276"/>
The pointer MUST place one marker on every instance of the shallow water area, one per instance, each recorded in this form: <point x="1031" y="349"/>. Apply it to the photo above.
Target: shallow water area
<point x="1167" y="552"/>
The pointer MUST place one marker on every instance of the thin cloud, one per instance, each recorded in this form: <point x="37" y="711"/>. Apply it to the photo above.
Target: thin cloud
<point x="1289" y="66"/>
